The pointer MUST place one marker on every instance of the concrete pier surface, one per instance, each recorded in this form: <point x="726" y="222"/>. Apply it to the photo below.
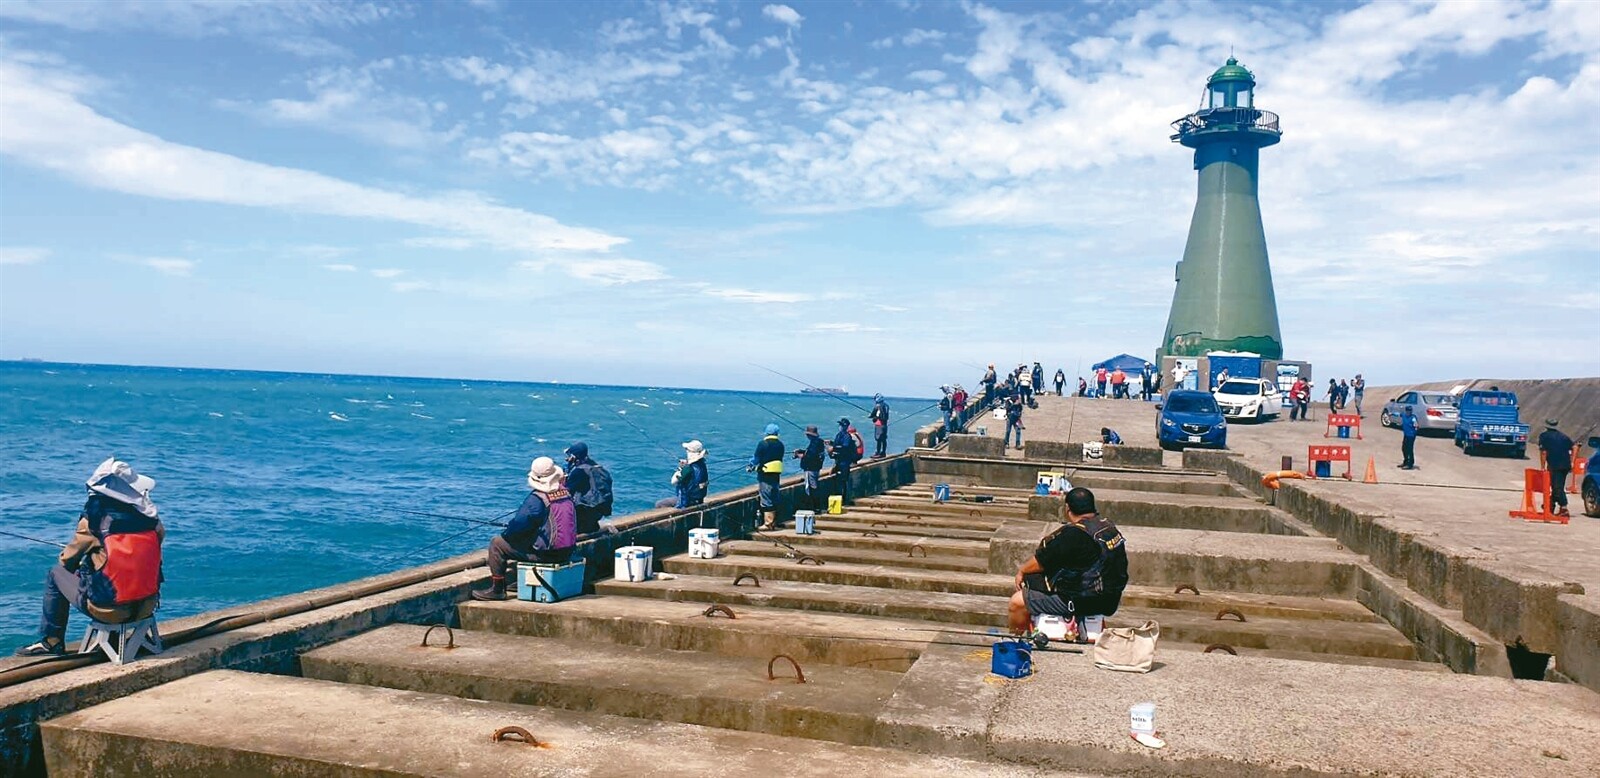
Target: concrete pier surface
<point x="1443" y="528"/>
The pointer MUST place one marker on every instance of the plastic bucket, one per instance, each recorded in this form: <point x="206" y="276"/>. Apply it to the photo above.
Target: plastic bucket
<point x="1011" y="659"/>
<point x="941" y="492"/>
<point x="805" y="523"/>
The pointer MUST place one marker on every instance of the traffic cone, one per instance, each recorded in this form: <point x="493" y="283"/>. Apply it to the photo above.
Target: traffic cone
<point x="1372" y="472"/>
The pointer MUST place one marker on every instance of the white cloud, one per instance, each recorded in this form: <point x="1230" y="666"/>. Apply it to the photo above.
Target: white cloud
<point x="171" y="266"/>
<point x="279" y="24"/>
<point x="44" y="124"/>
<point x="782" y="14"/>
<point x="739" y="295"/>
<point x="387" y="272"/>
<point x="613" y="272"/>
<point x="844" y="326"/>
<point x="405" y="287"/>
<point x="439" y="242"/>
<point x="927" y="76"/>
<point x="341" y="268"/>
<point x="22" y="255"/>
<point x="354" y="102"/>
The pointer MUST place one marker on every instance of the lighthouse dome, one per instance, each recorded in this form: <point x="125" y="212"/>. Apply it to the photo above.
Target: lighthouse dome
<point x="1231" y="72"/>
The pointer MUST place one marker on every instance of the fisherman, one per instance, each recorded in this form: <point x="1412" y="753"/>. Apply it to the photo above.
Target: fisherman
<point x="1408" y="440"/>
<point x="1146" y="375"/>
<point x="945" y="407"/>
<point x="958" y="403"/>
<point x="1109" y="436"/>
<point x="1078" y="570"/>
<point x="1083" y="387"/>
<point x="1100" y="376"/>
<point x="1060" y="382"/>
<point x="811" y="459"/>
<point x="767" y="464"/>
<point x="111" y="570"/>
<point x="690" y="479"/>
<point x="1023" y="382"/>
<point x="988" y="382"/>
<point x="544" y="528"/>
<point x="1038" y="378"/>
<point x="880" y="427"/>
<point x="1013" y="420"/>
<point x="844" y="453"/>
<point x="1557" y="448"/>
<point x="590" y="487"/>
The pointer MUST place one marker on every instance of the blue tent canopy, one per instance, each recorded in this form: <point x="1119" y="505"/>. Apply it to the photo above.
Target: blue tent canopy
<point x="1129" y="363"/>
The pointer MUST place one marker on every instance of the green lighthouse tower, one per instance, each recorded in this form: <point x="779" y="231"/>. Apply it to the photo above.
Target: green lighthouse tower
<point x="1224" y="300"/>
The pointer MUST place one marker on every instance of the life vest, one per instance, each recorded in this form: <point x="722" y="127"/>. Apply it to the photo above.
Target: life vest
<point x="560" y="528"/>
<point x="1094" y="579"/>
<point x="774" y="466"/>
<point x="861" y="445"/>
<point x="132" y="569"/>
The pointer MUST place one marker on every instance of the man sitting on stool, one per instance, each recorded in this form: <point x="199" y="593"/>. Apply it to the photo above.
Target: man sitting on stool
<point x="1078" y="570"/>
<point x="112" y="568"/>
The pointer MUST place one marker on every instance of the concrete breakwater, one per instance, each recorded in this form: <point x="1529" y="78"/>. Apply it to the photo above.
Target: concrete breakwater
<point x="1273" y="629"/>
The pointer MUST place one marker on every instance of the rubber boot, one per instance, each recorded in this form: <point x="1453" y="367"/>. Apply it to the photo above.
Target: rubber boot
<point x="769" y="520"/>
<point x="496" y="590"/>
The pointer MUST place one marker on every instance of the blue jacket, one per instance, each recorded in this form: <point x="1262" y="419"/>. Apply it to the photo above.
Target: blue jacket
<point x="812" y="459"/>
<point x="692" y="480"/>
<point x="1408" y="425"/>
<point x="844" y="448"/>
<point x="770" y="449"/>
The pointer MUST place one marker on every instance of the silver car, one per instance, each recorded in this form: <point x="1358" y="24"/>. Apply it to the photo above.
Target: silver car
<point x="1435" y="410"/>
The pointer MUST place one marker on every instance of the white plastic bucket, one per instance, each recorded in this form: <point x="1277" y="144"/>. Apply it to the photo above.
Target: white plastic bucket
<point x="633" y="563"/>
<point x="1142" y="719"/>
<point x="703" y="543"/>
<point x="1053" y="627"/>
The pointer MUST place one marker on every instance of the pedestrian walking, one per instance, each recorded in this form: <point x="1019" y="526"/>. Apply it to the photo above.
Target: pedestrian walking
<point x="1061" y="381"/>
<point x="1013" y="420"/>
<point x="1146" y="375"/>
<point x="1100" y="376"/>
<point x="1332" y="396"/>
<point x="1408" y="440"/>
<point x="1557" y="448"/>
<point x="1119" y="384"/>
<point x="1358" y="389"/>
<point x="1344" y="393"/>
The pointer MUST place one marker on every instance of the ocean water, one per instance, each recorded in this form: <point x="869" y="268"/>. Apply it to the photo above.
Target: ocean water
<point x="271" y="483"/>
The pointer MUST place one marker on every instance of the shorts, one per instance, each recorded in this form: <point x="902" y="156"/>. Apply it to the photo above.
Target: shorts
<point x="813" y="479"/>
<point x="769" y="495"/>
<point x="1055" y="605"/>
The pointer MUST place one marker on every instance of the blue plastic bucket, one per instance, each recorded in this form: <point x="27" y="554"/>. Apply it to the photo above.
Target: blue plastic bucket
<point x="1012" y="659"/>
<point x="941" y="492"/>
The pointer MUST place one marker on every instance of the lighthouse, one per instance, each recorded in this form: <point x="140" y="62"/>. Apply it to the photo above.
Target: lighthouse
<point x="1224" y="300"/>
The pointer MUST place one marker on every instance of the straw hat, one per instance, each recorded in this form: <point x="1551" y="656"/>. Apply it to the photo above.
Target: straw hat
<point x="544" y="475"/>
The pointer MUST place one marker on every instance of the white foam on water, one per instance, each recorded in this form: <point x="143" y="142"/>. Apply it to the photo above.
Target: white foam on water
<point x="421" y="415"/>
<point x="214" y="415"/>
<point x="337" y="416"/>
<point x="641" y="405"/>
<point x="51" y="372"/>
<point x="540" y="440"/>
<point x="357" y="402"/>
<point x="574" y="402"/>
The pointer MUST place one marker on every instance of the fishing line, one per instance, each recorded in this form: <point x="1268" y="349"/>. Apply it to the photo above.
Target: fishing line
<point x="430" y="546"/>
<point x="624" y="416"/>
<point x="780" y="416"/>
<point x="455" y="518"/>
<point x="36" y="540"/>
<point x="817" y="389"/>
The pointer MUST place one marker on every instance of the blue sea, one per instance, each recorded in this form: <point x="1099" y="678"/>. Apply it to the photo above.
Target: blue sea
<point x="271" y="483"/>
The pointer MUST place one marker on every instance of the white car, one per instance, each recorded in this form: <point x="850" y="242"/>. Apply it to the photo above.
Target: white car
<point x="1256" y="399"/>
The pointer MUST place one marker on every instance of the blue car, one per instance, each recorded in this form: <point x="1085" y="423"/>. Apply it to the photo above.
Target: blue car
<point x="1590" y="488"/>
<point x="1190" y="418"/>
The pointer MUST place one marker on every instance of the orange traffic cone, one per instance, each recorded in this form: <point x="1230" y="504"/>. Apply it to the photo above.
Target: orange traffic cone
<point x="1372" y="472"/>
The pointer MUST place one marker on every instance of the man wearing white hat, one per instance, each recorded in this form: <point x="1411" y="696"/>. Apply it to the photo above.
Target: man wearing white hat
<point x="544" y="529"/>
<point x="690" y="479"/>
<point x="114" y="581"/>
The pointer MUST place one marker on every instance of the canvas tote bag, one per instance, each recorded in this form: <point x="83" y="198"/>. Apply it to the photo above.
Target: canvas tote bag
<point x="1127" y="649"/>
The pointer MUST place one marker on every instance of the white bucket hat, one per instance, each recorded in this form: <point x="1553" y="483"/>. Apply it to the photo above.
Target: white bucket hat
<point x="544" y="475"/>
<point x="117" y="479"/>
<point x="696" y="451"/>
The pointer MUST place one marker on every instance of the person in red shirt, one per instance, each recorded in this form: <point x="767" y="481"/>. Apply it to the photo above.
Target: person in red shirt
<point x="1100" y="381"/>
<point x="1300" y="399"/>
<point x="1119" y="385"/>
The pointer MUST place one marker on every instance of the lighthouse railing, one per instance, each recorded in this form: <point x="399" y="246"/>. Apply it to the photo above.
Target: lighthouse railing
<point x="1227" y="118"/>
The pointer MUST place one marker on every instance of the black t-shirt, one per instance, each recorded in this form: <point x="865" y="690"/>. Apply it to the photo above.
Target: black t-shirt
<point x="1557" y="449"/>
<point x="1068" y="548"/>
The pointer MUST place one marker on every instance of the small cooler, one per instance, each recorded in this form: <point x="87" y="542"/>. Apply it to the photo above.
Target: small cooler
<point x="703" y="543"/>
<point x="634" y="563"/>
<point x="805" y="523"/>
<point x="566" y="579"/>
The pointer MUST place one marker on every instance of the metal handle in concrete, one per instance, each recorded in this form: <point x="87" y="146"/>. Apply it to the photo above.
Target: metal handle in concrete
<point x="751" y="576"/>
<point x="915" y="547"/>
<point x="883" y="524"/>
<point x="1224" y="647"/>
<point x="975" y="512"/>
<point x="1225" y="612"/>
<point x="804" y="558"/>
<point x="515" y="735"/>
<point x="1189" y="587"/>
<point x="712" y="611"/>
<point x="870" y="534"/>
<point x="450" y="633"/>
<point x="799" y="675"/>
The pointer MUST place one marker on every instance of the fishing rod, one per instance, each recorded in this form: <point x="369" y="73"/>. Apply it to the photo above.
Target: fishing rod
<point x="782" y="417"/>
<point x="431" y="546"/>
<point x="36" y="540"/>
<point x="455" y="518"/>
<point x="1038" y="639"/>
<point x="817" y="389"/>
<point x="636" y="428"/>
<point x="1072" y="417"/>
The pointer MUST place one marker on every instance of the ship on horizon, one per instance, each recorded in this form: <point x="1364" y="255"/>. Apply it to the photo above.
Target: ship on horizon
<point x="825" y="390"/>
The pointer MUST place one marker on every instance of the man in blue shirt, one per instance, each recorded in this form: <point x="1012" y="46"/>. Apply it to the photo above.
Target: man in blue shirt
<point x="844" y="454"/>
<point x="1557" y="448"/>
<point x="1408" y="440"/>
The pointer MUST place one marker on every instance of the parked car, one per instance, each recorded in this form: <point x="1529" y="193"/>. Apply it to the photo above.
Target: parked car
<point x="1590" y="486"/>
<point x="1190" y="418"/>
<point x="1436" y="411"/>
<point x="1490" y="420"/>
<point x="1249" y="398"/>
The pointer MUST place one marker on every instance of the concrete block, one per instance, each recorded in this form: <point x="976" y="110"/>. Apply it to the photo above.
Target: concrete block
<point x="1052" y="451"/>
<point x="1515" y="603"/>
<point x="1440" y="635"/>
<point x="1047" y="507"/>
<point x="942" y="706"/>
<point x="977" y="446"/>
<point x="1578" y="649"/>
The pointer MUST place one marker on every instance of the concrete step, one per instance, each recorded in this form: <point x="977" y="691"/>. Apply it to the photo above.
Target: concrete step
<point x="931" y="516"/>
<point x="1222" y="561"/>
<point x="811" y="637"/>
<point x="978" y="549"/>
<point x="1372" y="639"/>
<point x="834" y="703"/>
<point x="908" y="559"/>
<point x="883" y="527"/>
<point x="992" y="512"/>
<point x="232" y="723"/>
<point x="1129" y="508"/>
<point x="1217" y="486"/>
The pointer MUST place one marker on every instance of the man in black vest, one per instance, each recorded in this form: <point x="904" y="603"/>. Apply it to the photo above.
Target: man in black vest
<point x="590" y="486"/>
<point x="1078" y="570"/>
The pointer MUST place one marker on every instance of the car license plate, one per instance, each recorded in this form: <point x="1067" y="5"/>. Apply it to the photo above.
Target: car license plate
<point x="1194" y="438"/>
<point x="1499" y="439"/>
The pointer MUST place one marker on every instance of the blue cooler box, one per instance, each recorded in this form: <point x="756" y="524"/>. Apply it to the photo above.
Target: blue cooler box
<point x="941" y="492"/>
<point x="567" y="580"/>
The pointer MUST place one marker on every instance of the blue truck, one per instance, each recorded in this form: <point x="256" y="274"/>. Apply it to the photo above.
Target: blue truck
<point x="1489" y="420"/>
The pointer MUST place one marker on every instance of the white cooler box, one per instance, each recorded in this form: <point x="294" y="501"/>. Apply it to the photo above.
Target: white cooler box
<point x="703" y="543"/>
<point x="634" y="563"/>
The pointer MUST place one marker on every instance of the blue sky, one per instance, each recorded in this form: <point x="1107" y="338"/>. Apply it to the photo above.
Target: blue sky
<point x="864" y="194"/>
